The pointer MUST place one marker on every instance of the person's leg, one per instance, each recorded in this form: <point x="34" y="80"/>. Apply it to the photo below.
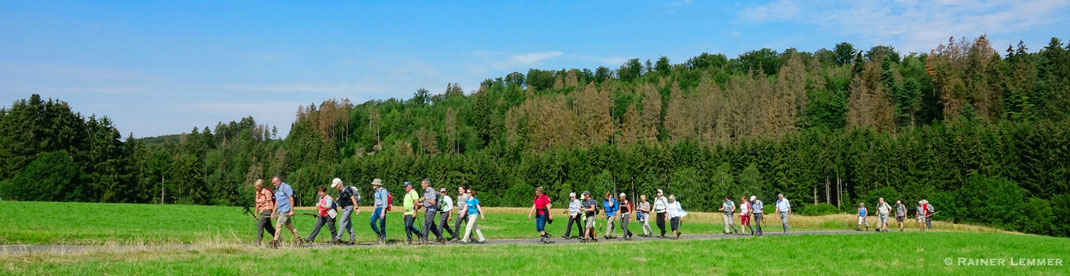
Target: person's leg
<point x="758" y="223"/>
<point x="316" y="229"/>
<point x="334" y="229"/>
<point x="345" y="224"/>
<point x="727" y="222"/>
<point x="429" y="226"/>
<point x="661" y="223"/>
<point x="624" y="220"/>
<point x="457" y="224"/>
<point x="568" y="229"/>
<point x="540" y="224"/>
<point x="278" y="229"/>
<point x="784" y="221"/>
<point x="929" y="222"/>
<point x="446" y="225"/>
<point x="468" y="229"/>
<point x="478" y="232"/>
<point x="408" y="228"/>
<point x="373" y="219"/>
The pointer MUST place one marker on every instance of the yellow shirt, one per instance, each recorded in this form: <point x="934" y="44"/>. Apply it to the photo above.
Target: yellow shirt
<point x="407" y="202"/>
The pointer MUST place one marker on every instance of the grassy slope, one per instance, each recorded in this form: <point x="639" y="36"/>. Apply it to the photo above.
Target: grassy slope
<point x="891" y="253"/>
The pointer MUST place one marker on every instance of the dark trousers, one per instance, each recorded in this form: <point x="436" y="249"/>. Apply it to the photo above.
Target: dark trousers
<point x="675" y="223"/>
<point x="380" y="230"/>
<point x="579" y="225"/>
<point x="624" y="224"/>
<point x="319" y="224"/>
<point x="661" y="223"/>
<point x="410" y="228"/>
<point x="262" y="224"/>
<point x="429" y="225"/>
<point x="462" y="219"/>
<point x="446" y="224"/>
<point x="758" y="223"/>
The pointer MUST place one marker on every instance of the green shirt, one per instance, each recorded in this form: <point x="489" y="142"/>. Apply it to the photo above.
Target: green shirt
<point x="407" y="202"/>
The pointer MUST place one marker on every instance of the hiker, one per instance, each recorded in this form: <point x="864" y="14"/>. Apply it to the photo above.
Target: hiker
<point x="728" y="207"/>
<point x="446" y="212"/>
<point x="675" y="214"/>
<point x="382" y="205"/>
<point x="625" y="216"/>
<point x="430" y="205"/>
<point x="929" y="211"/>
<point x="883" y="210"/>
<point x="900" y="213"/>
<point x="573" y="213"/>
<point x="462" y="214"/>
<point x="659" y="210"/>
<point x="744" y="215"/>
<point x="920" y="214"/>
<point x="590" y="211"/>
<point x="472" y="208"/>
<point x="409" y="202"/>
<point x="284" y="202"/>
<point x="265" y="206"/>
<point x="609" y="204"/>
<point x="783" y="208"/>
<point x="541" y="209"/>
<point x="756" y="209"/>
<point x="325" y="215"/>
<point x="862" y="217"/>
<point x="643" y="216"/>
<point x="348" y="198"/>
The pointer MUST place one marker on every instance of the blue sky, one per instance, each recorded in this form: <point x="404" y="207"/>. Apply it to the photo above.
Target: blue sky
<point x="163" y="67"/>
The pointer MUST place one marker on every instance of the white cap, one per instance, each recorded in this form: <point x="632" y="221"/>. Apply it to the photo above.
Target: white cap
<point x="659" y="191"/>
<point x="621" y="194"/>
<point x="336" y="182"/>
<point x="752" y="198"/>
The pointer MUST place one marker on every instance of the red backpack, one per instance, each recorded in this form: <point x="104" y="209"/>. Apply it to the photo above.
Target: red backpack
<point x="389" y="201"/>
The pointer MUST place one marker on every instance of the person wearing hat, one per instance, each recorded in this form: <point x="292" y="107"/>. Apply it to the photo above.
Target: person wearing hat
<point x="783" y="208"/>
<point x="727" y="208"/>
<point x="382" y="201"/>
<point x="659" y="210"/>
<point x="625" y="216"/>
<point x="590" y="210"/>
<point x="757" y="208"/>
<point x="430" y="205"/>
<point x="574" y="216"/>
<point x="676" y="212"/>
<point x="409" y="202"/>
<point x="284" y="202"/>
<point x="643" y="216"/>
<point x="347" y="200"/>
<point x="609" y="204"/>
<point x="541" y="209"/>
<point x="462" y="215"/>
<point x="929" y="211"/>
<point x="446" y="212"/>
<point x="326" y="215"/>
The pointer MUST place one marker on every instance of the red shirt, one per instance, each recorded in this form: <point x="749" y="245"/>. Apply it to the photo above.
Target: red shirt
<point x="540" y="203"/>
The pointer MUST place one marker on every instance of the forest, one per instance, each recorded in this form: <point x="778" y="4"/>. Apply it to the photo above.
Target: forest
<point x="982" y="134"/>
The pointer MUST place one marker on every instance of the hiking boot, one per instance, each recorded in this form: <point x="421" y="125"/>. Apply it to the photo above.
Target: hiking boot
<point x="481" y="242"/>
<point x="334" y="241"/>
<point x="273" y="244"/>
<point x="298" y="243"/>
<point x="566" y="237"/>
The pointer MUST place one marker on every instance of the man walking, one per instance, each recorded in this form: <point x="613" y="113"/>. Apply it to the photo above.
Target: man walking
<point x="409" y="202"/>
<point x="348" y="201"/>
<point x="573" y="213"/>
<point x="883" y="210"/>
<point x="462" y="214"/>
<point x="589" y="209"/>
<point x="284" y="202"/>
<point x="265" y="209"/>
<point x="920" y="214"/>
<point x="900" y="213"/>
<point x="757" y="208"/>
<point x="784" y="209"/>
<point x="610" y="206"/>
<point x="728" y="207"/>
<point x="625" y="216"/>
<point x="445" y="212"/>
<point x="660" y="203"/>
<point x="430" y="205"/>
<point x="382" y="201"/>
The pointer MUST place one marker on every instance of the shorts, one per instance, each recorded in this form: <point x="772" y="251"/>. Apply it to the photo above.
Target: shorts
<point x="744" y="220"/>
<point x="284" y="219"/>
<point x="590" y="222"/>
<point x="900" y="218"/>
<point x="884" y="218"/>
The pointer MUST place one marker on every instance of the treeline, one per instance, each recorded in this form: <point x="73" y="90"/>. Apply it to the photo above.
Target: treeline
<point x="981" y="135"/>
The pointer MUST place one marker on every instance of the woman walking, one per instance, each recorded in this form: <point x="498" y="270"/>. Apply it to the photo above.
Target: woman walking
<point x="541" y="209"/>
<point x="744" y="215"/>
<point x="326" y="216"/>
<point x="643" y="216"/>
<point x="659" y="209"/>
<point x="675" y="214"/>
<point x="472" y="208"/>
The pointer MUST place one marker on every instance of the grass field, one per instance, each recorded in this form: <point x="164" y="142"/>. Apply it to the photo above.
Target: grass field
<point x="889" y="254"/>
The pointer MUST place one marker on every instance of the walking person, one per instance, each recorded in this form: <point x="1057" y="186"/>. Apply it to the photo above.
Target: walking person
<point x="757" y="208"/>
<point x="445" y="213"/>
<point x="625" y="216"/>
<point x="727" y="208"/>
<point x="883" y="211"/>
<point x="659" y="210"/>
<point x="573" y="213"/>
<point x="462" y="214"/>
<point x="675" y="214"/>
<point x="643" y="216"/>
<point x="540" y="207"/>
<point x="900" y="213"/>
<point x="920" y="215"/>
<point x="472" y="208"/>
<point x="326" y="215"/>
<point x="783" y="208"/>
<point x="382" y="203"/>
<point x="409" y="202"/>
<point x="744" y="215"/>
<point x="862" y="217"/>
<point x="265" y="207"/>
<point x="590" y="211"/>
<point x="609" y="205"/>
<point x="430" y="205"/>
<point x="348" y="198"/>
<point x="929" y="211"/>
<point x="284" y="202"/>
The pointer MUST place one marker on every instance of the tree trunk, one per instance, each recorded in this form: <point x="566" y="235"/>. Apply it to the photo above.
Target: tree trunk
<point x="839" y="192"/>
<point x="828" y="196"/>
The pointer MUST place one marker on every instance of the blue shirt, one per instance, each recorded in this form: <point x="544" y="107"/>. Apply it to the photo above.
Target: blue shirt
<point x="282" y="198"/>
<point x="381" y="198"/>
<point x="610" y="210"/>
<point x="783" y="205"/>
<point x="862" y="212"/>
<point x="471" y="203"/>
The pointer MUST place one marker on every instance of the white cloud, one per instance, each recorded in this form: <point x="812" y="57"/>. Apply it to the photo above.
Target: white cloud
<point x="911" y="25"/>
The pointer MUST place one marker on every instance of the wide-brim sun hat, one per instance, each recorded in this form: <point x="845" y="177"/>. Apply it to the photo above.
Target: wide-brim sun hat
<point x="336" y="182"/>
<point x="752" y="198"/>
<point x="377" y="182"/>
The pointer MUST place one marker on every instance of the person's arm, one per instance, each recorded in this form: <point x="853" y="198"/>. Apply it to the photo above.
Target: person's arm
<point x="532" y="211"/>
<point x="291" y="199"/>
<point x="480" y="208"/>
<point x="356" y="208"/>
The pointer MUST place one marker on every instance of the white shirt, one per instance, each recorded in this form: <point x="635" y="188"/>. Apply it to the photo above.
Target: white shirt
<point x="447" y="203"/>
<point x="659" y="204"/>
<point x="674" y="210"/>
<point x="782" y="205"/>
<point x="574" y="207"/>
<point x="744" y="207"/>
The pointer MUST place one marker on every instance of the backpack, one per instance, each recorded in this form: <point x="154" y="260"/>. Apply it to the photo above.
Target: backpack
<point x="354" y="193"/>
<point x="389" y="201"/>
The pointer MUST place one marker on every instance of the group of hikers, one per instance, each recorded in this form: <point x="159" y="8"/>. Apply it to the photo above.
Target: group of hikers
<point x="925" y="211"/>
<point x="465" y="210"/>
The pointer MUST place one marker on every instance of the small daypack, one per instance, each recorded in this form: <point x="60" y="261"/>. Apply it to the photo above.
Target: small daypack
<point x="389" y="201"/>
